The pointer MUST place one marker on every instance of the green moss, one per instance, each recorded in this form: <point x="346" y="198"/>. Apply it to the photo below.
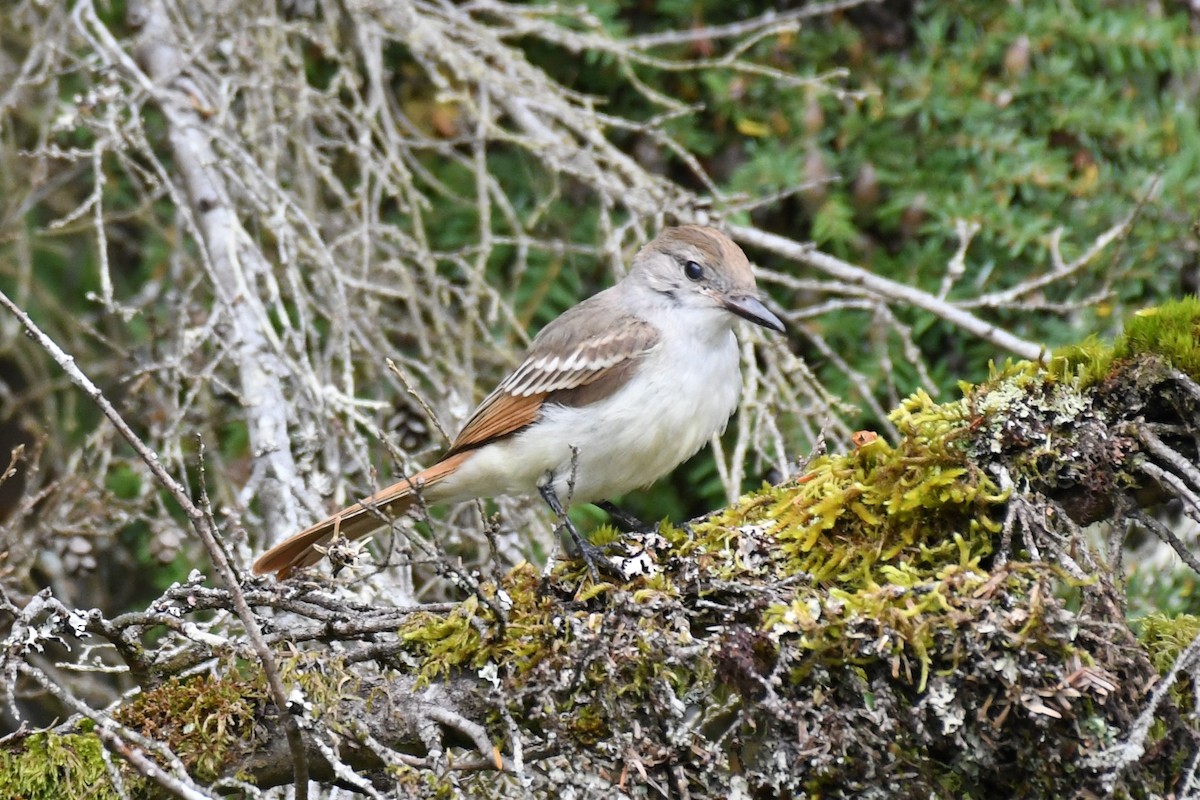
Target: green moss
<point x="1170" y="331"/>
<point x="1089" y="361"/>
<point x="203" y="719"/>
<point x="48" y="766"/>
<point x="590" y="726"/>
<point x="457" y="640"/>
<point x="1165" y="637"/>
<point x="894" y="538"/>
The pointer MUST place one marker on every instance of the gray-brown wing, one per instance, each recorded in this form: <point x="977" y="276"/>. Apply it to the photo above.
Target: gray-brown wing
<point x="564" y="364"/>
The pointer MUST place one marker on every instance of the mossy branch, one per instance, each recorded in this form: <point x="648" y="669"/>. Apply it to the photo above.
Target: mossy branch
<point x="926" y="618"/>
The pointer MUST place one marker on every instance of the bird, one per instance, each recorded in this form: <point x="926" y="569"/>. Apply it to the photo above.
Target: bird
<point x="612" y="395"/>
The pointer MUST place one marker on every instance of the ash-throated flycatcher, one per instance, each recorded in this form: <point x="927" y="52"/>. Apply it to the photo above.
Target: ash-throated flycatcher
<point x="612" y="395"/>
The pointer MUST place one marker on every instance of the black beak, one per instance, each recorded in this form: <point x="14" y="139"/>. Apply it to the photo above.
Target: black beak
<point x="747" y="306"/>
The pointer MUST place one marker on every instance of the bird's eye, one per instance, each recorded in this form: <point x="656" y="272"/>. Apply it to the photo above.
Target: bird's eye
<point x="693" y="271"/>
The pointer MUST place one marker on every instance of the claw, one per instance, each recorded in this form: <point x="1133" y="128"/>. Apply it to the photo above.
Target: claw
<point x="591" y="554"/>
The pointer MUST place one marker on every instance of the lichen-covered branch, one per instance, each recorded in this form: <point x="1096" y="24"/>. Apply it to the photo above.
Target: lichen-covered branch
<point x="881" y="625"/>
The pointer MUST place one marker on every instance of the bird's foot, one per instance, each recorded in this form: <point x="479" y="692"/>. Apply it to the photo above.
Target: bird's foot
<point x="596" y="557"/>
<point x="591" y="554"/>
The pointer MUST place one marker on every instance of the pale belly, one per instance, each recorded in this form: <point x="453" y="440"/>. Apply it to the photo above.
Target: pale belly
<point x="626" y="441"/>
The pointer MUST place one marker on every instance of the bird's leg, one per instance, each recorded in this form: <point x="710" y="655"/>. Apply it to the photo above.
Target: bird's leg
<point x="621" y="518"/>
<point x="591" y="554"/>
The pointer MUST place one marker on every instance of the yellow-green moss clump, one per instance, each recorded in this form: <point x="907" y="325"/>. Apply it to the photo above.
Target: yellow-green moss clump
<point x="204" y="719"/>
<point x="50" y="766"/>
<point x="892" y="537"/>
<point x="1170" y="331"/>
<point x="1166" y="637"/>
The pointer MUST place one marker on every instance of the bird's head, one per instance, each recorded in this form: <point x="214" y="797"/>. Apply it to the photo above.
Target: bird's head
<point x="701" y="268"/>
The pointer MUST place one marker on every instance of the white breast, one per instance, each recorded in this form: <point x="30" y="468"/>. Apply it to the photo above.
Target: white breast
<point x="682" y="393"/>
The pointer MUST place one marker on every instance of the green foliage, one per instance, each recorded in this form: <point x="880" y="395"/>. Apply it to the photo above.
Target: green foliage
<point x="1022" y="118"/>
<point x="1152" y="590"/>
<point x="124" y="482"/>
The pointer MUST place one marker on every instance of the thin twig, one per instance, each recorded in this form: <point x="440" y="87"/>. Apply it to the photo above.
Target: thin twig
<point x="1168" y="537"/>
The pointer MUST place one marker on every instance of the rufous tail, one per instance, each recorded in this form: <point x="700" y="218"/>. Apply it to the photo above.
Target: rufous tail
<point x="352" y="522"/>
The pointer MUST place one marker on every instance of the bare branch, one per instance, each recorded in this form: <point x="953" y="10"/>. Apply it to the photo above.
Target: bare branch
<point x="889" y="290"/>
